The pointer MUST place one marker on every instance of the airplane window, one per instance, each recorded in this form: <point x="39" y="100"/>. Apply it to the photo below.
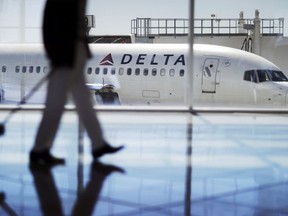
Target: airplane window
<point x="137" y="71"/>
<point x="146" y="71"/>
<point x="181" y="72"/>
<point x="31" y="68"/>
<point x="105" y="71"/>
<point x="269" y="75"/>
<point x="97" y="70"/>
<point x="129" y="71"/>
<point x="154" y="72"/>
<point x="46" y="69"/>
<point x="4" y="68"/>
<point x="113" y="71"/>
<point x="38" y="69"/>
<point x="162" y="72"/>
<point x="89" y="70"/>
<point x="172" y="72"/>
<point x="262" y="76"/>
<point x="121" y="71"/>
<point x="24" y="69"/>
<point x="250" y="76"/>
<point x="17" y="69"/>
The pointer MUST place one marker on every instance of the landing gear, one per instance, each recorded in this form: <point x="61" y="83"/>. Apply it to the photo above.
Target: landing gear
<point x="107" y="96"/>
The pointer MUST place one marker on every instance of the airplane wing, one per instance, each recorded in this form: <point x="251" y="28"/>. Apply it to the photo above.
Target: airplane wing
<point x="93" y="86"/>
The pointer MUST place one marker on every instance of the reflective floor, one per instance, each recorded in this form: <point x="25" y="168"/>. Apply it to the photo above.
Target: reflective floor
<point x="172" y="164"/>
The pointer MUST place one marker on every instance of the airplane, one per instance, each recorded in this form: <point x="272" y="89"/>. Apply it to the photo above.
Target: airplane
<point x="153" y="74"/>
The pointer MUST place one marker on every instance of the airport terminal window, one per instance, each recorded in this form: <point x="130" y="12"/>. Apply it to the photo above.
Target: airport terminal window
<point x="154" y="72"/>
<point x="172" y="72"/>
<point x="162" y="72"/>
<point x="89" y="70"/>
<point x="137" y="71"/>
<point x="129" y="71"/>
<point x="4" y="68"/>
<point x="121" y="71"/>
<point x="146" y="71"/>
<point x="181" y="72"/>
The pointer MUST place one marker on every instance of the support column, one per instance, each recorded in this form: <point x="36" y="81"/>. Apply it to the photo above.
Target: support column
<point x="257" y="33"/>
<point x="190" y="72"/>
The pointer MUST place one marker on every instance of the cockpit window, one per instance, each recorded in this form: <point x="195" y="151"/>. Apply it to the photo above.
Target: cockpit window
<point x="264" y="75"/>
<point x="278" y="76"/>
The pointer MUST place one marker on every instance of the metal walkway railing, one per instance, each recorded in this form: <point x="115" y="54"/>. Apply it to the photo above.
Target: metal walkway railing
<point x="146" y="27"/>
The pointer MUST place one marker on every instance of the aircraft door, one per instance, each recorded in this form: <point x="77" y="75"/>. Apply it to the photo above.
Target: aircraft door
<point x="209" y="75"/>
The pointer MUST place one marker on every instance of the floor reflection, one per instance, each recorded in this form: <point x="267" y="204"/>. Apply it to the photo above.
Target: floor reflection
<point x="48" y="195"/>
<point x="175" y="164"/>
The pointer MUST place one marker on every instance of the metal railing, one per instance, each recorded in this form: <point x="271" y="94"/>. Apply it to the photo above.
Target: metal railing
<point x="147" y="27"/>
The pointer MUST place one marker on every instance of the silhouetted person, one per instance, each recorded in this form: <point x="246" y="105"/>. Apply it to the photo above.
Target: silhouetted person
<point x="64" y="35"/>
<point x="5" y="205"/>
<point x="46" y="189"/>
<point x="48" y="196"/>
<point x="87" y="200"/>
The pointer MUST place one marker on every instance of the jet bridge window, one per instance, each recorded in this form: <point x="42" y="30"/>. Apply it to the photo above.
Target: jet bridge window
<point x="4" y="68"/>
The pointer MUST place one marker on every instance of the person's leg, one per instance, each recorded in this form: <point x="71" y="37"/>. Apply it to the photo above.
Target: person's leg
<point x="46" y="189"/>
<point x="87" y="200"/>
<point x="55" y="101"/>
<point x="85" y="109"/>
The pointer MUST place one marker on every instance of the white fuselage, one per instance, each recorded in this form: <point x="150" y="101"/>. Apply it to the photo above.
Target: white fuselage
<point x="153" y="74"/>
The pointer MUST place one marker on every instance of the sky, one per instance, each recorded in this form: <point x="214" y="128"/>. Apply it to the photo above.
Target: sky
<point x="114" y="16"/>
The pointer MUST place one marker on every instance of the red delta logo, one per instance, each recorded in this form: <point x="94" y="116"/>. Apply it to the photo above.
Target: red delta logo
<point x="107" y="60"/>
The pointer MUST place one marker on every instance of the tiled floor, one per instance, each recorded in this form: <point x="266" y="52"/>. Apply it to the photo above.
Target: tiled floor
<point x="238" y="166"/>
